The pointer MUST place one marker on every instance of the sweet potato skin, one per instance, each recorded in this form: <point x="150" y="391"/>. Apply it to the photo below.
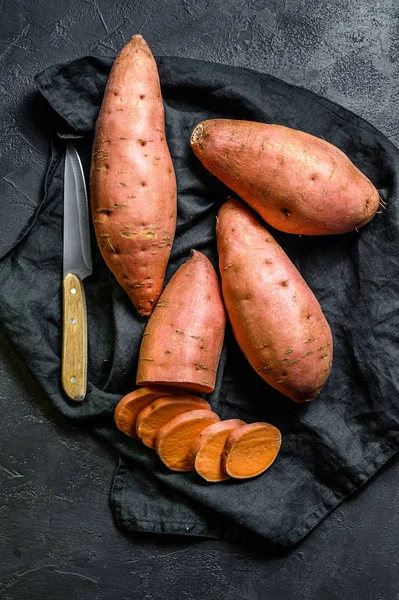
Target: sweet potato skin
<point x="276" y="319"/>
<point x="297" y="182"/>
<point x="132" y="180"/>
<point x="182" y="342"/>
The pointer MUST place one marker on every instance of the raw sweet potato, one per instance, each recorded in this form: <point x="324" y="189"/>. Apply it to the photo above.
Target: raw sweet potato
<point x="132" y="180"/>
<point x="297" y="182"/>
<point x="250" y="450"/>
<point x="276" y="319"/>
<point x="158" y="413"/>
<point x="132" y="404"/>
<point x="183" y="339"/>
<point x="174" y="440"/>
<point x="207" y="449"/>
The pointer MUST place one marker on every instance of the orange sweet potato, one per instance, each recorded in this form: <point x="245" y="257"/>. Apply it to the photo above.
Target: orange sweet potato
<point x="250" y="450"/>
<point x="158" y="413"/>
<point x="132" y="180"/>
<point x="276" y="319"/>
<point x="174" y="440"/>
<point x="129" y="406"/>
<point x="297" y="182"/>
<point x="183" y="339"/>
<point x="207" y="449"/>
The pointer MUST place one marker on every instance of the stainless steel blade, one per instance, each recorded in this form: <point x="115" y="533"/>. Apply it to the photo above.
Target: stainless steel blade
<point x="76" y="248"/>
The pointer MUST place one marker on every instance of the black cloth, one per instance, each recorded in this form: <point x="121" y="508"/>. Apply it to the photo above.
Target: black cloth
<point x="331" y="446"/>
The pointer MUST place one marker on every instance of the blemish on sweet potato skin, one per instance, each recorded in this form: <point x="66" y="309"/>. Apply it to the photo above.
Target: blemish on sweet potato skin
<point x="122" y="189"/>
<point x="129" y="407"/>
<point x="161" y="410"/>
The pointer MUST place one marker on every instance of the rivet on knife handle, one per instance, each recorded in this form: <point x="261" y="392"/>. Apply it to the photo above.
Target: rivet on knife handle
<point x="74" y="340"/>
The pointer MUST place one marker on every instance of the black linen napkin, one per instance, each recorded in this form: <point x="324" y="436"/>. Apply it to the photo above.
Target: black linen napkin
<point x="331" y="446"/>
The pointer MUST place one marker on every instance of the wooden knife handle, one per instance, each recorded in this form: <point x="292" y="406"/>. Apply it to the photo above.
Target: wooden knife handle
<point x="74" y="338"/>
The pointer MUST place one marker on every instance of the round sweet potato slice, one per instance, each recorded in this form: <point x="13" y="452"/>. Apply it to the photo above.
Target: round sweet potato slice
<point x="174" y="440"/>
<point x="132" y="404"/>
<point x="207" y="449"/>
<point x="156" y="414"/>
<point x="250" y="450"/>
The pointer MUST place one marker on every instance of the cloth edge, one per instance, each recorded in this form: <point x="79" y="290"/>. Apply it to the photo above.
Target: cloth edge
<point x="287" y="540"/>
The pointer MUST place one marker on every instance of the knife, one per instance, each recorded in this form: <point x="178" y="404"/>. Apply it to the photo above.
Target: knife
<point x="77" y="265"/>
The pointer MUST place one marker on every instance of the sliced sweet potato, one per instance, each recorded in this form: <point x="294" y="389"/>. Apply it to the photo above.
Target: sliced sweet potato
<point x="174" y="440"/>
<point x="129" y="406"/>
<point x="158" y="413"/>
<point x="182" y="342"/>
<point x="250" y="450"/>
<point x="207" y="449"/>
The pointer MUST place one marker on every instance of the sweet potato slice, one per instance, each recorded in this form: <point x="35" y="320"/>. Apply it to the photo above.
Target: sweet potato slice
<point x="174" y="440"/>
<point x="132" y="404"/>
<point x="158" y="413"/>
<point x="207" y="449"/>
<point x="250" y="450"/>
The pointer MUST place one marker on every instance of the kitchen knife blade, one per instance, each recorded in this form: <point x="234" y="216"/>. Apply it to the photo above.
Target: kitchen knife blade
<point x="77" y="265"/>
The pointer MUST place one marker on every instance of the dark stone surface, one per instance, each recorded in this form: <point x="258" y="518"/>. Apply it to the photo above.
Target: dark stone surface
<point x="57" y="536"/>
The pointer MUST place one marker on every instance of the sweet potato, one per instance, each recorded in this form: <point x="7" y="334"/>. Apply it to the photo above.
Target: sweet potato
<point x="183" y="339"/>
<point x="276" y="319"/>
<point x="132" y="180"/>
<point x="174" y="440"/>
<point x="132" y="404"/>
<point x="250" y="450"/>
<point x="158" y="413"/>
<point x="297" y="182"/>
<point x="207" y="449"/>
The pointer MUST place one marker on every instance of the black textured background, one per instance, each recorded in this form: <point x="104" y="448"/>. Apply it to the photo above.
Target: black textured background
<point x="57" y="537"/>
